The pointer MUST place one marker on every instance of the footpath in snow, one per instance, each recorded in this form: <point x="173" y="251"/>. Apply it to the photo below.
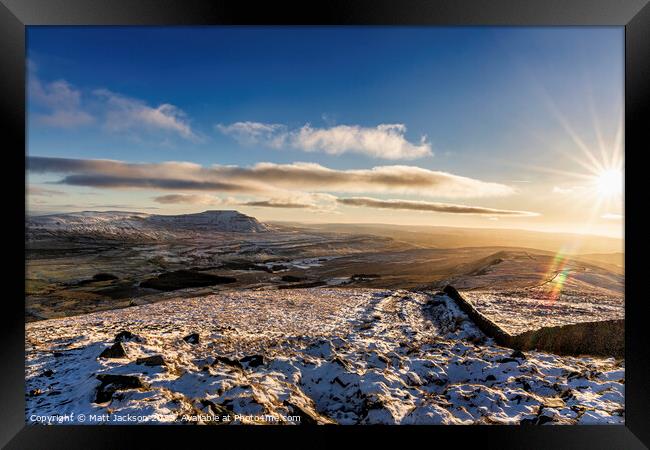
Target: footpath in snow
<point x="324" y="355"/>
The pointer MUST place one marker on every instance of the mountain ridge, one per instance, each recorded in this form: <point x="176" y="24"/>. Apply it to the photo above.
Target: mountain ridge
<point x="141" y="225"/>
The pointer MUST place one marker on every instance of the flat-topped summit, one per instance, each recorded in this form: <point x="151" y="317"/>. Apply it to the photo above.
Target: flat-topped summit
<point x="215" y="220"/>
<point x="142" y="225"/>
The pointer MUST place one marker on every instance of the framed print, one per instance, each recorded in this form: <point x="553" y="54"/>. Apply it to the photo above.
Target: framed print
<point x="367" y="218"/>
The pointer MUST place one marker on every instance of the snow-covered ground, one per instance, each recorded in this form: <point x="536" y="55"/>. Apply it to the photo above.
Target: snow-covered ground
<point x="325" y="355"/>
<point x="518" y="311"/>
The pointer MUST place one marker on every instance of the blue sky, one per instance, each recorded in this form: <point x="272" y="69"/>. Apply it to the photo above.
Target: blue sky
<point x="497" y="105"/>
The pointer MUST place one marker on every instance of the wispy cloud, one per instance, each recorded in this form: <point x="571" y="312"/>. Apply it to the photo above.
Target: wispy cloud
<point x="277" y="204"/>
<point x="265" y="176"/>
<point x="63" y="105"/>
<point x="568" y="190"/>
<point x="43" y="192"/>
<point x="385" y="141"/>
<point x="61" y="101"/>
<point x="191" y="199"/>
<point x="430" y="206"/>
<point x="270" y="134"/>
<point x="126" y="113"/>
<point x="297" y="200"/>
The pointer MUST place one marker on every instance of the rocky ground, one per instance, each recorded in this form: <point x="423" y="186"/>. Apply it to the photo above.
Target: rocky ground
<point x="322" y="355"/>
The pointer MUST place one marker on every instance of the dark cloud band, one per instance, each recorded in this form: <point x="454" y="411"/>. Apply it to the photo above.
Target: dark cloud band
<point x="429" y="206"/>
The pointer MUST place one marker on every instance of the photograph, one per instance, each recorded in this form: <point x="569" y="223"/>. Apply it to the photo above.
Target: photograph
<point x="324" y="225"/>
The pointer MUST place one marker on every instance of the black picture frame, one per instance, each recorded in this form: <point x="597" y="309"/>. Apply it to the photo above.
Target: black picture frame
<point x="15" y="15"/>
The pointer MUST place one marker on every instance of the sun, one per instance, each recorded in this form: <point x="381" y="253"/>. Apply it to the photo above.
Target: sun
<point x="609" y="183"/>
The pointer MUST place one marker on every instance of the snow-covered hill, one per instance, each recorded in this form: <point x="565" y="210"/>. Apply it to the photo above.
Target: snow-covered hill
<point x="347" y="356"/>
<point x="230" y="221"/>
<point x="119" y="224"/>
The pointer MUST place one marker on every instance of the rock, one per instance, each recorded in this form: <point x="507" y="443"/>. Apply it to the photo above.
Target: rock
<point x="565" y="395"/>
<point x="539" y="420"/>
<point x="518" y="354"/>
<point x="507" y="360"/>
<point x="343" y="363"/>
<point x="48" y="373"/>
<point x="154" y="360"/>
<point x="111" y="383"/>
<point x="217" y="410"/>
<point x="554" y="402"/>
<point x="307" y="416"/>
<point x="126" y="336"/>
<point x="451" y="291"/>
<point x="227" y="361"/>
<point x="117" y="350"/>
<point x="252" y="360"/>
<point x="192" y="338"/>
<point x="490" y="378"/>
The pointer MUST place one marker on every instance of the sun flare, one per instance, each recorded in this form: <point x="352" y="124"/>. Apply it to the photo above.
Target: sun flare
<point x="609" y="183"/>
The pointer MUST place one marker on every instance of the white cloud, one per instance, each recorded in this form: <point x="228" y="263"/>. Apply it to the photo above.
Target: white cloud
<point x="125" y="113"/>
<point x="67" y="107"/>
<point x="62" y="102"/>
<point x="385" y="141"/>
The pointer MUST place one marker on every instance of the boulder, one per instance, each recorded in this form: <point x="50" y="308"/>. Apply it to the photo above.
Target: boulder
<point x="252" y="360"/>
<point x="110" y="383"/>
<point x="117" y="350"/>
<point x="192" y="338"/>
<point x="518" y="354"/>
<point x="218" y="410"/>
<point x="126" y="336"/>
<point x="154" y="360"/>
<point x="307" y="415"/>
<point x="227" y="361"/>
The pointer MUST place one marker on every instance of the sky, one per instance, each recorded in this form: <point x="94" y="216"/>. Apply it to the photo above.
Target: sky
<point x="492" y="127"/>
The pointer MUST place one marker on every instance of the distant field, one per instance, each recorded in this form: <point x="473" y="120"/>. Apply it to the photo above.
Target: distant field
<point x="60" y="268"/>
<point x="448" y="237"/>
